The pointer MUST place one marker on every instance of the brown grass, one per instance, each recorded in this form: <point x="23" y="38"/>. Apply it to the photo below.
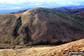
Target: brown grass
<point x="61" y="50"/>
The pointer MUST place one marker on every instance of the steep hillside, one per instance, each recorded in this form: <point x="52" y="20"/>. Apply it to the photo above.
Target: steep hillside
<point x="40" y="26"/>
<point x="8" y="28"/>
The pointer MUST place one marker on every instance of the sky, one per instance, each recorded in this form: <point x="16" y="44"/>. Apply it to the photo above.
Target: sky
<point x="15" y="5"/>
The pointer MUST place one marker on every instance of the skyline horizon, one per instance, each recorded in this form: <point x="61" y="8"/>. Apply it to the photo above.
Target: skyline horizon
<point x="5" y="11"/>
<point x="25" y="4"/>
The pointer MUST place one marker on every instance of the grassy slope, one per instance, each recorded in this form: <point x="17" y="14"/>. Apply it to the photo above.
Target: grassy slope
<point x="61" y="50"/>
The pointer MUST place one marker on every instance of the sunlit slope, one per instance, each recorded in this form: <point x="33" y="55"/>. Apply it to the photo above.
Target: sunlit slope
<point x="61" y="50"/>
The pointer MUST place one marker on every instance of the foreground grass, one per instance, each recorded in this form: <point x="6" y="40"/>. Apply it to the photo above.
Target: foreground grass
<point x="61" y="50"/>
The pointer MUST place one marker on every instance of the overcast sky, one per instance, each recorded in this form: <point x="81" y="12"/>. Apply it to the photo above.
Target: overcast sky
<point x="39" y="1"/>
<point x="24" y="4"/>
<point x="17" y="4"/>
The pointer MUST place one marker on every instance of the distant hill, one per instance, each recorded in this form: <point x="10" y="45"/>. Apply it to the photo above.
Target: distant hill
<point x="73" y="7"/>
<point x="79" y="11"/>
<point x="71" y="11"/>
<point x="40" y="26"/>
<point x="18" y="12"/>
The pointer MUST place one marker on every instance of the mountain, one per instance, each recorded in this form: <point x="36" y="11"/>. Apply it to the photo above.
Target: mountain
<point x="40" y="26"/>
<point x="73" y="7"/>
<point x="18" y="12"/>
<point x="69" y="10"/>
